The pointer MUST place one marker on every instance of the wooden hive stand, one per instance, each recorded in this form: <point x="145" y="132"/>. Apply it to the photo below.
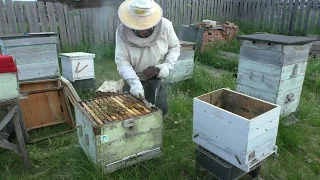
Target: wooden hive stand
<point x="9" y="104"/>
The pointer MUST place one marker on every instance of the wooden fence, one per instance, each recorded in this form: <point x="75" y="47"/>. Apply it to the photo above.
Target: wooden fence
<point x="98" y="25"/>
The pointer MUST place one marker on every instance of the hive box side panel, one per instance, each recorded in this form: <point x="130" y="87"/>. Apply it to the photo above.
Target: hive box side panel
<point x="117" y="141"/>
<point x="293" y="70"/>
<point x="186" y="55"/>
<point x="259" y="81"/>
<point x="9" y="86"/>
<point x="289" y="101"/>
<point x="261" y="55"/>
<point x="263" y="123"/>
<point x="86" y="137"/>
<point x="183" y="69"/>
<point x="263" y="46"/>
<point x="269" y="70"/>
<point x="31" y="49"/>
<point x="290" y="84"/>
<point x="29" y="41"/>
<point x="35" y="58"/>
<point x="257" y="93"/>
<point x="38" y="70"/>
<point x="67" y="69"/>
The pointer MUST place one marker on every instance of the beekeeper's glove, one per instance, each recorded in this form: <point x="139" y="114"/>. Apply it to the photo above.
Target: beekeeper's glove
<point x="136" y="89"/>
<point x="164" y="70"/>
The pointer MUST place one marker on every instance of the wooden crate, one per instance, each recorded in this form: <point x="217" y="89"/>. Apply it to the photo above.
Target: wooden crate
<point x="238" y="128"/>
<point x="46" y="104"/>
<point x="183" y="69"/>
<point x="272" y="68"/>
<point x="35" y="55"/>
<point x="8" y="79"/>
<point x="77" y="66"/>
<point x="115" y="141"/>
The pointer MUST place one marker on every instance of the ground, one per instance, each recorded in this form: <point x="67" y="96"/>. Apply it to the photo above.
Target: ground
<point x="62" y="158"/>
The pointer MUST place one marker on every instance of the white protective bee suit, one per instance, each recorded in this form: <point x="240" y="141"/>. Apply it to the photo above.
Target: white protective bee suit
<point x="134" y="54"/>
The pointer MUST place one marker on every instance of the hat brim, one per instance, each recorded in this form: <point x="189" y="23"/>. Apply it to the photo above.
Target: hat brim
<point x="139" y="22"/>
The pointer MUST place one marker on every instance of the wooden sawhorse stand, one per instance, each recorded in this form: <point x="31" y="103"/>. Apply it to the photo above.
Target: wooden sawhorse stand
<point x="13" y="115"/>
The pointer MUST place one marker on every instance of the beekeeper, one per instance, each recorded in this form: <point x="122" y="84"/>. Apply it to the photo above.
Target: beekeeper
<point x="145" y="39"/>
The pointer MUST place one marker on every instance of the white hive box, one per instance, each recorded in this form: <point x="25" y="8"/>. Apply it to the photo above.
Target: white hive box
<point x="183" y="69"/>
<point x="238" y="128"/>
<point x="272" y="68"/>
<point x="117" y="143"/>
<point x="8" y="79"/>
<point x="35" y="55"/>
<point x="77" y="66"/>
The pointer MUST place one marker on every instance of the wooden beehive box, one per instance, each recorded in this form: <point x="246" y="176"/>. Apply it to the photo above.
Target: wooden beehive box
<point x="77" y="66"/>
<point x="238" y="128"/>
<point x="35" y="54"/>
<point x="183" y="69"/>
<point x="115" y="134"/>
<point x="272" y="68"/>
<point x="8" y="79"/>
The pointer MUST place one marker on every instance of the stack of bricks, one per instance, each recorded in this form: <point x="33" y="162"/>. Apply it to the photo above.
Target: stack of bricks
<point x="226" y="31"/>
<point x="230" y="30"/>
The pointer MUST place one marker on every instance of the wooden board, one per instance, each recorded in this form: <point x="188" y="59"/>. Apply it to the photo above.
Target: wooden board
<point x="283" y="17"/>
<point x="36" y="58"/>
<point x="278" y="16"/>
<point x="32" y="17"/>
<point x="294" y="18"/>
<point x="3" y="19"/>
<point x="77" y="24"/>
<point x="28" y="41"/>
<point x="307" y="16"/>
<point x="43" y="17"/>
<point x="73" y="35"/>
<point x="9" y="86"/>
<point x="183" y="70"/>
<point x="301" y="12"/>
<point x="70" y="91"/>
<point x="11" y="17"/>
<point x="313" y="15"/>
<point x="51" y="17"/>
<point x="18" y="9"/>
<point x="62" y="25"/>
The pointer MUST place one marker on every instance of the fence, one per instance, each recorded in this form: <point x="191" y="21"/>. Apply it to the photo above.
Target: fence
<point x="98" y="25"/>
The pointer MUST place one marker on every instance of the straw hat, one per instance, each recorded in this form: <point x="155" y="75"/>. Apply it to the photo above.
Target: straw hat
<point x="140" y="14"/>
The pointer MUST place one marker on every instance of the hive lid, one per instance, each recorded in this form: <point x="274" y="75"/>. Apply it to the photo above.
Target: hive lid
<point x="77" y="55"/>
<point x="7" y="64"/>
<point x="278" y="39"/>
<point x="29" y="35"/>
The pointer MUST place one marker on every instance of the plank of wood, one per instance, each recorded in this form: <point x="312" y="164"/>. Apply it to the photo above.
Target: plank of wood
<point x="289" y="16"/>
<point x="105" y="26"/>
<point x="313" y="15"/>
<point x="177" y="13"/>
<point x="294" y="18"/>
<point x="3" y="19"/>
<point x="256" y="19"/>
<point x="183" y="12"/>
<point x="11" y="17"/>
<point x="43" y="17"/>
<point x="84" y="25"/>
<point x="30" y="41"/>
<point x="272" y="14"/>
<point x="245" y="10"/>
<point x="18" y="9"/>
<point x="189" y="9"/>
<point x="307" y="16"/>
<point x="283" y="17"/>
<point x="30" y="49"/>
<point x="68" y="26"/>
<point x="96" y="37"/>
<point x="301" y="15"/>
<point x="77" y="24"/>
<point x="32" y="16"/>
<point x="9" y="85"/>
<point x="62" y="26"/>
<point x="249" y="14"/>
<point x="208" y="6"/>
<point x="235" y="10"/>
<point x="214" y="9"/>
<point x="278" y="16"/>
<point x="111" y="34"/>
<point x="51" y="17"/>
<point x="262" y="12"/>
<point x="72" y="29"/>
<point x="266" y="19"/>
<point x="89" y="14"/>
<point x="39" y="57"/>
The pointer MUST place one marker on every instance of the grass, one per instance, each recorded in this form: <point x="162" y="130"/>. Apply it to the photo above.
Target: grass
<point x="62" y="158"/>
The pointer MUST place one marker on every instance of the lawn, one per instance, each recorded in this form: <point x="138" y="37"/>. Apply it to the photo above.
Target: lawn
<point x="62" y="158"/>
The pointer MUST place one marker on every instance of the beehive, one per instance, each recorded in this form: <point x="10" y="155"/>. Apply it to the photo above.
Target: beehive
<point x="35" y="54"/>
<point x="77" y="66"/>
<point x="238" y="128"/>
<point x="118" y="131"/>
<point x="8" y="79"/>
<point x="183" y="69"/>
<point x="272" y="68"/>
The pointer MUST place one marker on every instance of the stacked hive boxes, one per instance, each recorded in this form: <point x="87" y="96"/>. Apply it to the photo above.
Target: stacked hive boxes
<point x="272" y="68"/>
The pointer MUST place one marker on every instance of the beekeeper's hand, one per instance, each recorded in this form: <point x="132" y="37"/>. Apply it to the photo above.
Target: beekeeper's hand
<point x="136" y="89"/>
<point x="164" y="70"/>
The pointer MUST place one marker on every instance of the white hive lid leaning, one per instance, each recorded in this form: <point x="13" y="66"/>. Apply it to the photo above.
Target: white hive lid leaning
<point x="77" y="55"/>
